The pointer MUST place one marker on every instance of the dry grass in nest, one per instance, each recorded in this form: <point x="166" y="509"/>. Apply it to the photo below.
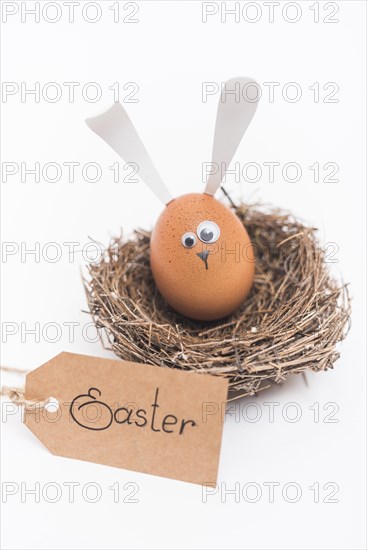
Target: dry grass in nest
<point x="291" y="321"/>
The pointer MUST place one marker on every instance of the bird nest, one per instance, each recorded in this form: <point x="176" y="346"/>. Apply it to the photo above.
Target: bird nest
<point x="292" y="320"/>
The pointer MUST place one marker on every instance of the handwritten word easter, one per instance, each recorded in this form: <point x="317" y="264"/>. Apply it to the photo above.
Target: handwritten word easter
<point x="103" y="416"/>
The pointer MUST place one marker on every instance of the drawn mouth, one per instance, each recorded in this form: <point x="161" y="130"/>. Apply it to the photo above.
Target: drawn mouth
<point x="204" y="256"/>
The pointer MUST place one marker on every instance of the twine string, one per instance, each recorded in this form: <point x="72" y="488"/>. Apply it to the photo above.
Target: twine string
<point x="17" y="395"/>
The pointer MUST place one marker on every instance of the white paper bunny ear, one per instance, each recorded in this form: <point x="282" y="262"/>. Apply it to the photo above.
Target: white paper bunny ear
<point x="116" y="129"/>
<point x="237" y="106"/>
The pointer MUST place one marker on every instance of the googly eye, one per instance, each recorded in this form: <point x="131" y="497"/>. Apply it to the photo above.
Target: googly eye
<point x="208" y="232"/>
<point x="188" y="239"/>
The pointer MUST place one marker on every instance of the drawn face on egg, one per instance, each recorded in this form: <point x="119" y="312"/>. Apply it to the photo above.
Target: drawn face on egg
<point x="201" y="257"/>
<point x="208" y="232"/>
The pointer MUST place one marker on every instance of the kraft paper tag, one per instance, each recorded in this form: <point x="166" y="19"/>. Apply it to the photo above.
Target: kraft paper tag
<point x="129" y="415"/>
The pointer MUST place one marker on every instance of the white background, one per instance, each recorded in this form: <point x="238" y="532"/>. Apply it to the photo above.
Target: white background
<point x="169" y="53"/>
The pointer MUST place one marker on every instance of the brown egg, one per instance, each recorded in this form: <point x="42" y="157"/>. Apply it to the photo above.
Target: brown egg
<point x="201" y="257"/>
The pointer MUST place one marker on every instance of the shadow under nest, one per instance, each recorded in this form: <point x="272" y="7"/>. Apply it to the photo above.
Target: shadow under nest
<point x="291" y="321"/>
